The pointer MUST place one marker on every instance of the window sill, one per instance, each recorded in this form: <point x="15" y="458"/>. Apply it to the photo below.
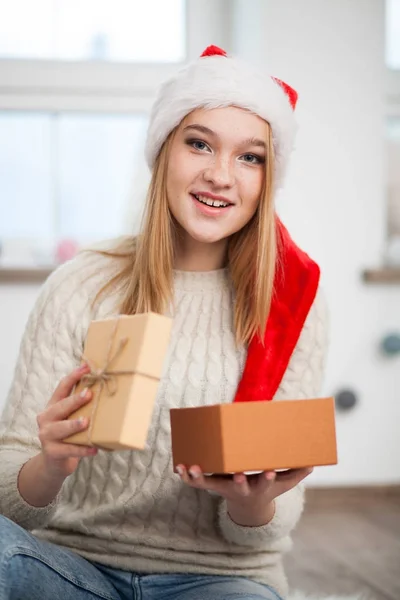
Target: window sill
<point x="382" y="276"/>
<point x="23" y="275"/>
<point x="37" y="275"/>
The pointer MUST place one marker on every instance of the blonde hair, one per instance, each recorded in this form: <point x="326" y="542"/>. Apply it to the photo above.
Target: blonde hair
<point x="146" y="274"/>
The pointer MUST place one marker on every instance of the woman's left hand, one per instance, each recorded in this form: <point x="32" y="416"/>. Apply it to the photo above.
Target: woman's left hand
<point x="250" y="498"/>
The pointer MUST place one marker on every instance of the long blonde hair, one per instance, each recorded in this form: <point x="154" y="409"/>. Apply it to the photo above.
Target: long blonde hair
<point x="146" y="274"/>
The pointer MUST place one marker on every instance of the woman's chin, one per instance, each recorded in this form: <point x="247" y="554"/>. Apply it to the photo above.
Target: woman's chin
<point x="207" y="235"/>
<point x="207" y="238"/>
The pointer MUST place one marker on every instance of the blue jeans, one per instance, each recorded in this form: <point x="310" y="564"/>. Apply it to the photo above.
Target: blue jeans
<point x="31" y="569"/>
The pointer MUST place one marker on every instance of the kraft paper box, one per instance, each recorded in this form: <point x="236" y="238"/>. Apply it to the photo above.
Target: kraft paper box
<point x="131" y="351"/>
<point x="255" y="436"/>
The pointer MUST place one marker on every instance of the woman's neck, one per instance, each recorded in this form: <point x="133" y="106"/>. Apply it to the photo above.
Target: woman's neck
<point x="198" y="256"/>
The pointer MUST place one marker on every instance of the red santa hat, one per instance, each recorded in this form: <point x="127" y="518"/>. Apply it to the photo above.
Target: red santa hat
<point x="216" y="80"/>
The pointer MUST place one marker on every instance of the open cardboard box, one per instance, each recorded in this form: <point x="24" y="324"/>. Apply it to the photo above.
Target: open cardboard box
<point x="255" y="436"/>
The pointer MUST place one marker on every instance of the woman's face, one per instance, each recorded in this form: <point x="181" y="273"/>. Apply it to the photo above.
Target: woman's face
<point x="215" y="172"/>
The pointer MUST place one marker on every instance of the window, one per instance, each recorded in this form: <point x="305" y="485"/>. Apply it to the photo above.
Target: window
<point x="122" y="30"/>
<point x="393" y="34"/>
<point x="392" y="130"/>
<point x="68" y="175"/>
<point x="77" y="79"/>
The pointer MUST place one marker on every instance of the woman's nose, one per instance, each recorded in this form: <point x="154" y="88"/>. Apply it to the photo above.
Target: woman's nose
<point x="220" y="173"/>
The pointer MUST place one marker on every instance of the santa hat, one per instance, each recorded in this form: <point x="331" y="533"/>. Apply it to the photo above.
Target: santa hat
<point x="216" y="80"/>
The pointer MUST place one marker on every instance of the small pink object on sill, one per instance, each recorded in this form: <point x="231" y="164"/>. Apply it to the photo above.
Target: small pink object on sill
<point x="65" y="250"/>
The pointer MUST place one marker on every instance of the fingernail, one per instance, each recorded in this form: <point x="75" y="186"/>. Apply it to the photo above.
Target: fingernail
<point x="84" y="392"/>
<point x="82" y="367"/>
<point x="194" y="474"/>
<point x="179" y="470"/>
<point x="82" y="421"/>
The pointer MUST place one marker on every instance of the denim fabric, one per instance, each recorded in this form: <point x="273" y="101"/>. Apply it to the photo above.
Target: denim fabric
<point x="31" y="569"/>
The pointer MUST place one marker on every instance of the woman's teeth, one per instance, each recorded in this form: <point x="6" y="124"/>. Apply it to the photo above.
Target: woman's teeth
<point x="209" y="202"/>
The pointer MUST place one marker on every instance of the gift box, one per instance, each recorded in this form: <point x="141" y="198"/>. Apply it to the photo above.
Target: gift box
<point x="126" y="356"/>
<point x="255" y="436"/>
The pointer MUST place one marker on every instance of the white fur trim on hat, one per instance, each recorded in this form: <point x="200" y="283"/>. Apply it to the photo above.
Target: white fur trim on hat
<point x="219" y="81"/>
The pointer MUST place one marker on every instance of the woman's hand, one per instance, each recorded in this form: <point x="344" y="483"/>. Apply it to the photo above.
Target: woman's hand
<point x="60" y="458"/>
<point x="42" y="477"/>
<point x="250" y="498"/>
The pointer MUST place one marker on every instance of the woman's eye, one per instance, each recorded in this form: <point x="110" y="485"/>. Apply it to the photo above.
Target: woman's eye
<point x="198" y="144"/>
<point x="252" y="159"/>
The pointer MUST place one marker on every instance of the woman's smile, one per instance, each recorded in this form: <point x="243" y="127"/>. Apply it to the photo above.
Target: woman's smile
<point x="210" y="205"/>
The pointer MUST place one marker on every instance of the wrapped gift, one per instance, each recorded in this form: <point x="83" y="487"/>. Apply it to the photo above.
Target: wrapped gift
<point x="126" y="356"/>
<point x="255" y="436"/>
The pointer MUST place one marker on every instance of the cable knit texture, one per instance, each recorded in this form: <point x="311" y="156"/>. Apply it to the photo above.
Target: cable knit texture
<point x="128" y="509"/>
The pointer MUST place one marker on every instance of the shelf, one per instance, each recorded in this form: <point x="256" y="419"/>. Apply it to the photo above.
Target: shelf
<point x="24" y="275"/>
<point x="384" y="275"/>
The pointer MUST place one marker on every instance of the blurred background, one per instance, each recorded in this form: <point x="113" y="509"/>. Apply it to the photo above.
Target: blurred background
<point x="77" y="80"/>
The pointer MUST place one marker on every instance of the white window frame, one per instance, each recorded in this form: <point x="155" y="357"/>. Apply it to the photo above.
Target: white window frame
<point x="47" y="85"/>
<point x="392" y="88"/>
<point x="392" y="109"/>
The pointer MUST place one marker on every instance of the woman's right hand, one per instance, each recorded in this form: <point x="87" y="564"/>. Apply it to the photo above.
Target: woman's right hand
<point x="60" y="459"/>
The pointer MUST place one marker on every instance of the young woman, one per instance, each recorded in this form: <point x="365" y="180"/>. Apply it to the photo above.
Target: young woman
<point x="249" y="323"/>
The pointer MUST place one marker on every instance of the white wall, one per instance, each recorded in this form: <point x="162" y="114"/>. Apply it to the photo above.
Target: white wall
<point x="15" y="304"/>
<point x="332" y="52"/>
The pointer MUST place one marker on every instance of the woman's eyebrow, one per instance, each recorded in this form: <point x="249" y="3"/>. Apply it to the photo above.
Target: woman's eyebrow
<point x="201" y="129"/>
<point x="254" y="142"/>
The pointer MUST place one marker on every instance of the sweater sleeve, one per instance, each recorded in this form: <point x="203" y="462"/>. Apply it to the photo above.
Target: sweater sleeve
<point x="50" y="349"/>
<point x="302" y="380"/>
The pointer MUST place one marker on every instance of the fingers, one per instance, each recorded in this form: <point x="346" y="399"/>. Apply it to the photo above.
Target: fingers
<point x="237" y="485"/>
<point x="65" y="407"/>
<point x="59" y="451"/>
<point x="55" y="427"/>
<point x="68" y="383"/>
<point x="241" y="484"/>
<point x="265" y="481"/>
<point x="60" y="430"/>
<point x="195" y="478"/>
<point x="268" y="484"/>
<point x="52" y="435"/>
<point x="287" y="480"/>
<point x="257" y="483"/>
<point x="295" y="475"/>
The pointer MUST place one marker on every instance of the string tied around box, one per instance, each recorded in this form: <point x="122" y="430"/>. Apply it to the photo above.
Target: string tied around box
<point x="103" y="376"/>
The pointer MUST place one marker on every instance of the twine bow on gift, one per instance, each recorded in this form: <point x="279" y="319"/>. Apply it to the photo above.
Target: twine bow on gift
<point x="104" y="377"/>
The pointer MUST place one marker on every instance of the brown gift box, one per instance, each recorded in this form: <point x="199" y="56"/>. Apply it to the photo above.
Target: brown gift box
<point x="255" y="436"/>
<point x="130" y="351"/>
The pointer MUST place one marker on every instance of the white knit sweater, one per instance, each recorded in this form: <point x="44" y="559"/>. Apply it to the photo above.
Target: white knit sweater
<point x="128" y="509"/>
